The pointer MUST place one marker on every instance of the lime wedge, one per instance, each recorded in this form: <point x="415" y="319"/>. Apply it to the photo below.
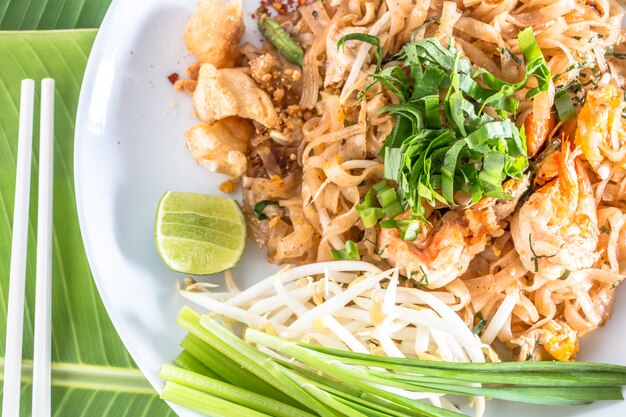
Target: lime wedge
<point x="199" y="234"/>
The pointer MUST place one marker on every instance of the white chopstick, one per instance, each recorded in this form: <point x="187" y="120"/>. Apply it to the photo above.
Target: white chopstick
<point x="19" y="248"/>
<point x="43" y="323"/>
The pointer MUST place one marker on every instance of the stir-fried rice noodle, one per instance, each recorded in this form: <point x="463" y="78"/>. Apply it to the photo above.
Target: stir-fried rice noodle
<point x="544" y="272"/>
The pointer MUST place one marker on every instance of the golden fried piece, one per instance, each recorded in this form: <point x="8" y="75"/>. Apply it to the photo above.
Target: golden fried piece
<point x="214" y="32"/>
<point x="221" y="147"/>
<point x="231" y="92"/>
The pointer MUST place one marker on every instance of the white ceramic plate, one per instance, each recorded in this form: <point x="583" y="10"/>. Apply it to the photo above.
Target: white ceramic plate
<point x="130" y="150"/>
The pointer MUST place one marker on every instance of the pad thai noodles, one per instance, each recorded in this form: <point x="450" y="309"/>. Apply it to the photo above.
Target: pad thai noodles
<point x="477" y="148"/>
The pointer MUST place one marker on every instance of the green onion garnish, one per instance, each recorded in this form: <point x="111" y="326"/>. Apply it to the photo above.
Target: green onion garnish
<point x="350" y="252"/>
<point x="444" y="143"/>
<point x="353" y="384"/>
<point x="259" y="208"/>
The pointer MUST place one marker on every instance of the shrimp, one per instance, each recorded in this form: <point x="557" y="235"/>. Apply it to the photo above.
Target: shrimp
<point x="599" y="133"/>
<point x="443" y="253"/>
<point x="438" y="256"/>
<point x="537" y="130"/>
<point x="556" y="230"/>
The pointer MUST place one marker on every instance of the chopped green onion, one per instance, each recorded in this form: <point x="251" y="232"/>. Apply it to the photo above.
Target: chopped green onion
<point x="368" y="211"/>
<point x="423" y="278"/>
<point x="350" y="252"/>
<point x="611" y="52"/>
<point x="408" y="227"/>
<point x="478" y="328"/>
<point x="388" y="199"/>
<point x="381" y="200"/>
<point x="259" y="208"/>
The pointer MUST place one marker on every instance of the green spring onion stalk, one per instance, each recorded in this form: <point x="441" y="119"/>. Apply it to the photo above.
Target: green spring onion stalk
<point x="355" y="384"/>
<point x="279" y="37"/>
<point x="533" y="366"/>
<point x="230" y="392"/>
<point x="535" y="388"/>
<point x="223" y="365"/>
<point x="249" y="358"/>
<point x="205" y="403"/>
<point x="190" y="363"/>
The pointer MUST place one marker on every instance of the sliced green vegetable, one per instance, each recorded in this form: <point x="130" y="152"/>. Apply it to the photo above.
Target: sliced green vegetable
<point x="279" y="37"/>
<point x="564" y="106"/>
<point x="259" y="208"/>
<point x="350" y="252"/>
<point x="478" y="328"/>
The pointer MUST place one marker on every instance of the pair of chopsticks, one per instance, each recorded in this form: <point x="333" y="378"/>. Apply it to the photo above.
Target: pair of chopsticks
<point x="19" y="249"/>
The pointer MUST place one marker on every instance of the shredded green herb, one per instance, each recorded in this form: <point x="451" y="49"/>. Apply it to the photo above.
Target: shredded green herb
<point x="565" y="275"/>
<point x="259" y="208"/>
<point x="423" y="277"/>
<point x="564" y="106"/>
<point x="605" y="229"/>
<point x="505" y="50"/>
<point x="482" y="323"/>
<point x="364" y="37"/>
<point x="441" y="144"/>
<point x="611" y="52"/>
<point x="350" y="252"/>
<point x="535" y="258"/>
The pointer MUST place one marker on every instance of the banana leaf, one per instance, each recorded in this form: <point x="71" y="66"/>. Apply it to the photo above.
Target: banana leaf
<point x="93" y="375"/>
<point x="51" y="14"/>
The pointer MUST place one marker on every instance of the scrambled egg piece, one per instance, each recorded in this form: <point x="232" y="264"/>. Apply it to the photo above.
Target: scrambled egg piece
<point x="221" y="147"/>
<point x="560" y="340"/>
<point x="556" y="337"/>
<point x="231" y="92"/>
<point x="599" y="123"/>
<point x="214" y="32"/>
